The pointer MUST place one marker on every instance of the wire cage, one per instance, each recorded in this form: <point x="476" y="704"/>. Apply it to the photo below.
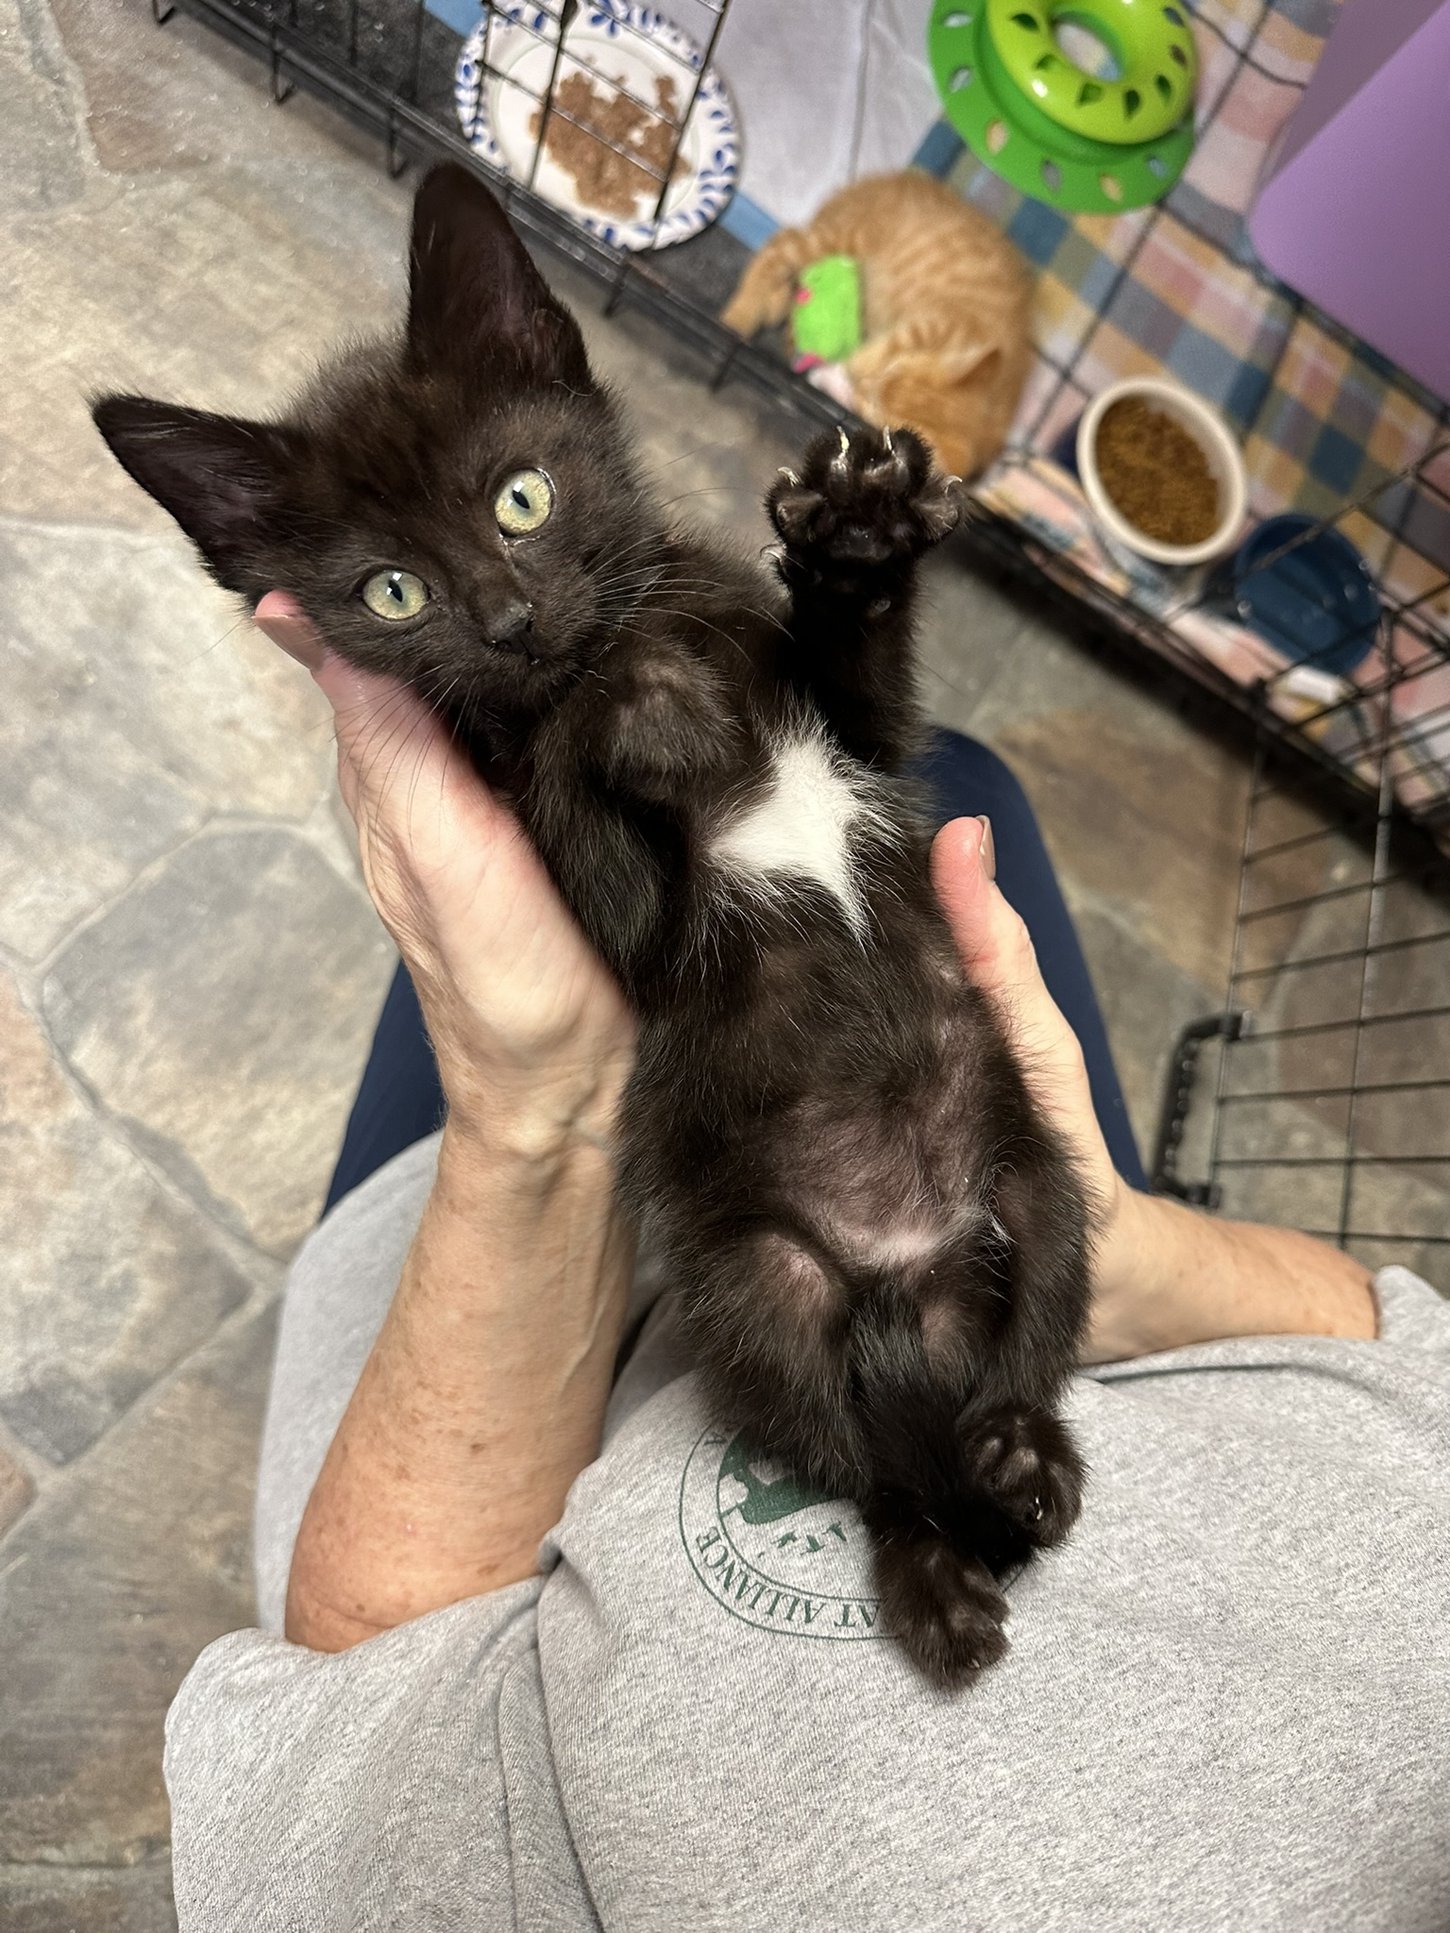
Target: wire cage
<point x="1320" y="1096"/>
<point x="1332" y="1095"/>
<point x="509" y="97"/>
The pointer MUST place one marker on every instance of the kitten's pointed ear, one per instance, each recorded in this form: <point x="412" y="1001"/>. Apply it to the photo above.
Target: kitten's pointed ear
<point x="965" y="365"/>
<point x="474" y="295"/>
<point x="218" y="476"/>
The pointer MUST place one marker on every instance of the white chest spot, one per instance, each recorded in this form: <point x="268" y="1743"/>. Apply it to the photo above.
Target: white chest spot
<point x="803" y="826"/>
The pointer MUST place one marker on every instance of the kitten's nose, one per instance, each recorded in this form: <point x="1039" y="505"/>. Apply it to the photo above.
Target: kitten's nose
<point x="511" y="624"/>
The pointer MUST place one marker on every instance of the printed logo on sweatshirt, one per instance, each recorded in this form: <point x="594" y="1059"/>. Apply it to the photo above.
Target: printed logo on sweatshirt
<point x="769" y="1550"/>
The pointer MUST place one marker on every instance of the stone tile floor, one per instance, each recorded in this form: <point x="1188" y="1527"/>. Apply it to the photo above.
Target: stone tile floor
<point x="189" y="968"/>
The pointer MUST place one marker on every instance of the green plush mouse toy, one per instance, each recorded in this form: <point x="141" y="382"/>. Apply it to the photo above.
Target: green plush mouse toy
<point x="825" y="324"/>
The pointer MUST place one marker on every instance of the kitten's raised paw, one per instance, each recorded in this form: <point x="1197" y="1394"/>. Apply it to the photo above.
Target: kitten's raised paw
<point x="864" y="499"/>
<point x="945" y="1608"/>
<point x="1027" y="1463"/>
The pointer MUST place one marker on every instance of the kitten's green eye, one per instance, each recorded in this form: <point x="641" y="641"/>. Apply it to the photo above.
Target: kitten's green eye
<point x="394" y="594"/>
<point x="524" y="504"/>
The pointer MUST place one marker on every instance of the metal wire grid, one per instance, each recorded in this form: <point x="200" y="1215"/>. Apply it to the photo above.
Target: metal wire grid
<point x="551" y="109"/>
<point x="1331" y="1089"/>
<point x="1374" y="721"/>
<point x="1331" y="1059"/>
<point x="1387" y="736"/>
<point x="388" y="64"/>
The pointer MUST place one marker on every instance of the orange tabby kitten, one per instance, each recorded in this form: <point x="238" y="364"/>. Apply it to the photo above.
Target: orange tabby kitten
<point x="945" y="301"/>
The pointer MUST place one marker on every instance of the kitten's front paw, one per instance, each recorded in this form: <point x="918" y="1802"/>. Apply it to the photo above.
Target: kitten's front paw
<point x="863" y="500"/>
<point x="1027" y="1463"/>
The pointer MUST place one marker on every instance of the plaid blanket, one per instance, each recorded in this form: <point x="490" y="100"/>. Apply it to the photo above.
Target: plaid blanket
<point x="1327" y="425"/>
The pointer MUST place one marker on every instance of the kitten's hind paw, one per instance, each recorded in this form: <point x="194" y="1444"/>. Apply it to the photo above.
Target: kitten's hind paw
<point x="1026" y="1462"/>
<point x="944" y="1607"/>
<point x="864" y="499"/>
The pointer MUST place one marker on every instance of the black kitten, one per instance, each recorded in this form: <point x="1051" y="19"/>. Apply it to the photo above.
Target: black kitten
<point x="880" y="1243"/>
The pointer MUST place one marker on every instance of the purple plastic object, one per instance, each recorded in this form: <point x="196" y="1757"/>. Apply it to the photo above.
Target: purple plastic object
<point x="1352" y="209"/>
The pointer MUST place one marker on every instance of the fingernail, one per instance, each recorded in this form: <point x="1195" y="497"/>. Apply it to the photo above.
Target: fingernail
<point x="279" y="619"/>
<point x="987" y="851"/>
<point x="307" y="653"/>
<point x="297" y="642"/>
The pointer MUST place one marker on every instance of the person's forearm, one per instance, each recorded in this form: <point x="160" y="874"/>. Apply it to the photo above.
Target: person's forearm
<point x="482" y="1400"/>
<point x="1169" y="1276"/>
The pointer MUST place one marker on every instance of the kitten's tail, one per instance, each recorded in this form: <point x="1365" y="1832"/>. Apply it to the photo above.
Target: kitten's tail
<point x="764" y="295"/>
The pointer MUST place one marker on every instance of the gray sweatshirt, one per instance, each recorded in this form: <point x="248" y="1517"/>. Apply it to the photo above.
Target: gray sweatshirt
<point x="1227" y="1702"/>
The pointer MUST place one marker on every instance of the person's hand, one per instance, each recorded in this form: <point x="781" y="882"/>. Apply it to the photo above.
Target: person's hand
<point x="1163" y="1275"/>
<point x="533" y="1038"/>
<point x="484" y="1394"/>
<point x="999" y="958"/>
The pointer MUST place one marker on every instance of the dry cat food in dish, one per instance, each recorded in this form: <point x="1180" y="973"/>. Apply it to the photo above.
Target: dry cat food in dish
<point x="607" y="180"/>
<point x="1156" y="473"/>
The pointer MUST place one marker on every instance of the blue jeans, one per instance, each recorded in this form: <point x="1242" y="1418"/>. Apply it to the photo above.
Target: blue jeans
<point x="400" y="1099"/>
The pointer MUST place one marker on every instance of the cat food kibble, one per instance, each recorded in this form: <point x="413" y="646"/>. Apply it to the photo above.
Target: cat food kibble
<point x="605" y="172"/>
<point x="1156" y="473"/>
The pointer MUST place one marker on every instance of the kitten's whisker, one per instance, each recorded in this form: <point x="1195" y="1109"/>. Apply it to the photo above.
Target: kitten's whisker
<point x="418" y="764"/>
<point x="439" y="700"/>
<point x="922" y="664"/>
<point x="399" y="718"/>
<point x="766" y="617"/>
<point x="694" y="617"/>
<point x="665" y="610"/>
<point x="627" y="586"/>
<point x="382" y="714"/>
<point x="390" y="781"/>
<point x="372" y="751"/>
<point x="379" y="782"/>
<point x="700" y="449"/>
<point x="650" y="540"/>
<point x="207" y="649"/>
<point x="631" y="557"/>
<point x="662" y="572"/>
<point x="670" y="584"/>
<point x="640" y="595"/>
<point x="714" y="490"/>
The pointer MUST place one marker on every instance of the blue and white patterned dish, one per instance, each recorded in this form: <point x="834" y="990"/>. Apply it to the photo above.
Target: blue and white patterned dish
<point x="616" y="40"/>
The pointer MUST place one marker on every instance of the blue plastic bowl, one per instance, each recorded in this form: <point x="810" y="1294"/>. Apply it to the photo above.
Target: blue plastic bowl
<point x="1317" y="603"/>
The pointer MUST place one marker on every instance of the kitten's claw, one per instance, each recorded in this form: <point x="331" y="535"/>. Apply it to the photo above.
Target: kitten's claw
<point x="1026" y="1461"/>
<point x="864" y="499"/>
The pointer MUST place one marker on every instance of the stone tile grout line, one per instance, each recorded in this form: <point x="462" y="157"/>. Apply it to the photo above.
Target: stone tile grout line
<point x="53" y="1479"/>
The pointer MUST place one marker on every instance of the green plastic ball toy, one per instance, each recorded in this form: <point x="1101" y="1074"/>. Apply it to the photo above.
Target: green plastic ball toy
<point x="1088" y="143"/>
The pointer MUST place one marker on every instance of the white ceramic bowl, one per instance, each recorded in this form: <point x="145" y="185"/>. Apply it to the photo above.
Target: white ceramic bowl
<point x="1212" y="436"/>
